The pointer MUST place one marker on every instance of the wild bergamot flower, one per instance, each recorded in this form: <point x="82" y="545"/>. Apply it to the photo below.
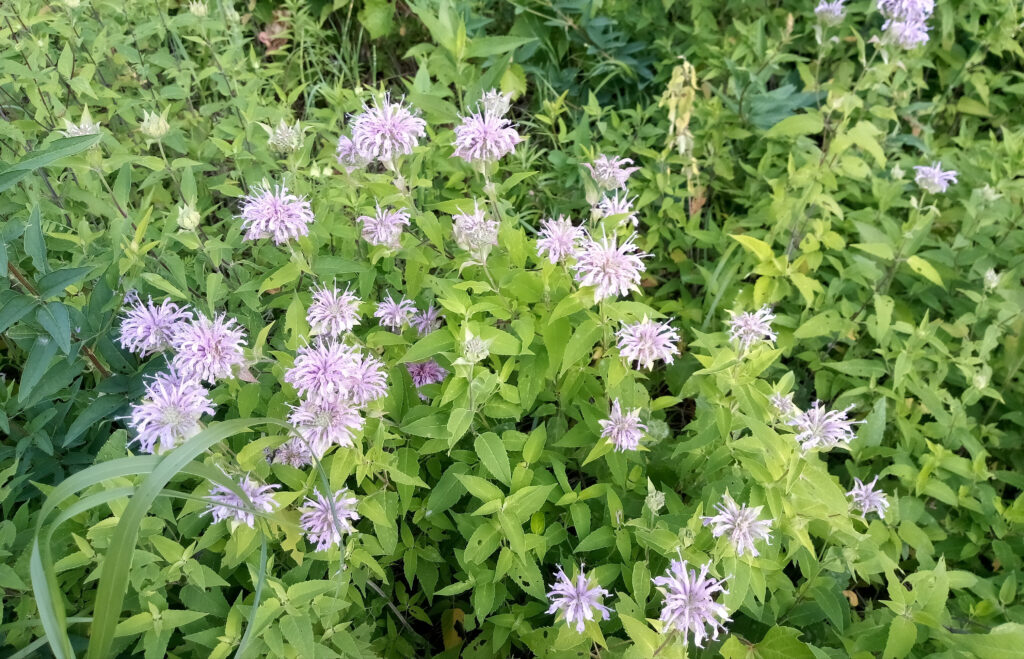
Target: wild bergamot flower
<point x="824" y="429"/>
<point x="424" y="373"/>
<point x="867" y="498"/>
<point x="647" y="341"/>
<point x="208" y="349"/>
<point x="385" y="226"/>
<point x="223" y="504"/>
<point x="748" y="328"/>
<point x="612" y="269"/>
<point x="148" y="328"/>
<point x="332" y="311"/>
<point x="623" y="428"/>
<point x="169" y="413"/>
<point x="325" y="422"/>
<point x="326" y="519"/>
<point x="740" y="524"/>
<point x="559" y="239"/>
<point x="932" y="179"/>
<point x="485" y="136"/>
<point x="385" y="130"/>
<point x="395" y="314"/>
<point x="426" y="321"/>
<point x="578" y="600"/>
<point x="690" y="605"/>
<point x="275" y="213"/>
<point x="610" y="173"/>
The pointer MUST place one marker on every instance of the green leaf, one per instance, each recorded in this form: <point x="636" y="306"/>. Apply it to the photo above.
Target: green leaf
<point x="14" y="308"/>
<point x="580" y="345"/>
<point x="286" y="274"/>
<point x="54" y="283"/>
<point x="783" y="643"/>
<point x="487" y="46"/>
<point x="36" y="365"/>
<point x="494" y="457"/>
<point x="378" y="17"/>
<point x="53" y="316"/>
<point x="901" y="639"/>
<point x="759" y="248"/>
<point x="52" y="153"/>
<point x="429" y="346"/>
<point x="35" y="246"/>
<point x="925" y="269"/>
<point x="809" y="123"/>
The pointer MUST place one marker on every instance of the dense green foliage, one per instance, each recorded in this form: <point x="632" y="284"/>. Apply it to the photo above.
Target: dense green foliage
<point x="776" y="163"/>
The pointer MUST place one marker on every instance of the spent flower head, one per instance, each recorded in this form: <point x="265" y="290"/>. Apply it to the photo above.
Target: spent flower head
<point x="188" y="217"/>
<point x="740" y="524"/>
<point x="333" y="311"/>
<point x="690" y="605"/>
<point x="384" y="227"/>
<point x="577" y="600"/>
<point x="275" y="213"/>
<point x="208" y="349"/>
<point x="223" y="504"/>
<point x="623" y="428"/>
<point x="326" y="519"/>
<point x="867" y="498"/>
<point x="169" y="413"/>
<point x="821" y="428"/>
<point x="559" y="239"/>
<point x="385" y="130"/>
<point x="148" y="328"/>
<point x="932" y="179"/>
<point x="646" y="341"/>
<point x="612" y="269"/>
<point x="610" y="173"/>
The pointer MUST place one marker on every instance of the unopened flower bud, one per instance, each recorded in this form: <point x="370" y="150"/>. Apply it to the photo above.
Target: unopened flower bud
<point x="153" y="126"/>
<point x="475" y="349"/>
<point x="197" y="8"/>
<point x="188" y="217"/>
<point x="284" y="139"/>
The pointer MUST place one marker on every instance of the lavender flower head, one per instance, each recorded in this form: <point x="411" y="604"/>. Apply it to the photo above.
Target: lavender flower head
<point x="867" y="498"/>
<point x="783" y="405"/>
<point x="475" y="232"/>
<point x="647" y="341"/>
<point x="830" y="12"/>
<point x="623" y="429"/>
<point x="426" y="321"/>
<point x="424" y="373"/>
<point x="823" y="429"/>
<point x="223" y="504"/>
<point x="559" y="239"/>
<point x="932" y="179"/>
<point x="324" y="422"/>
<point x="577" y="599"/>
<point x="208" y="349"/>
<point x="169" y="412"/>
<point x="486" y="136"/>
<point x="906" y="21"/>
<point x="325" y="519"/>
<point x="611" y="268"/>
<point x="395" y="315"/>
<point x="349" y="157"/>
<point x="740" y="524"/>
<point x="275" y="213"/>
<point x="749" y="328"/>
<point x="147" y="328"/>
<point x="610" y="173"/>
<point x="616" y="205"/>
<point x="384" y="227"/>
<point x="320" y="369"/>
<point x="332" y="311"/>
<point x="386" y="130"/>
<point x="366" y="380"/>
<point x="295" y="453"/>
<point x="690" y="604"/>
